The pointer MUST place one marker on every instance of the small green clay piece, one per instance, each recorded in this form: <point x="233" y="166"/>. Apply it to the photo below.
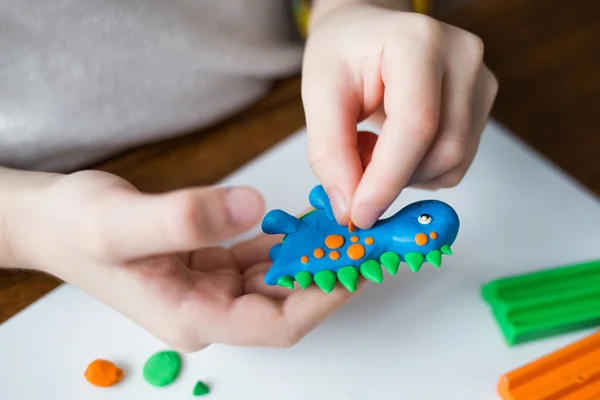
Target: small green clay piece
<point x="348" y="276"/>
<point x="325" y="280"/>
<point x="304" y="279"/>
<point x="391" y="262"/>
<point x="286" y="281"/>
<point x="372" y="271"/>
<point x="434" y="257"/>
<point x="162" y="368"/>
<point x="446" y="250"/>
<point x="414" y="260"/>
<point x="200" y="389"/>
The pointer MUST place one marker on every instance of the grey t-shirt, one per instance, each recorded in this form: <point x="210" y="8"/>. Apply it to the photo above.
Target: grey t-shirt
<point x="83" y="79"/>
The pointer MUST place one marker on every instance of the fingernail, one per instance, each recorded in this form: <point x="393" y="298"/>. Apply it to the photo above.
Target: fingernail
<point x="244" y="205"/>
<point x="338" y="204"/>
<point x="365" y="217"/>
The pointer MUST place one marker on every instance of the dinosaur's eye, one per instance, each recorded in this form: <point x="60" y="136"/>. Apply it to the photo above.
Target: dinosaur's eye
<point x="425" y="219"/>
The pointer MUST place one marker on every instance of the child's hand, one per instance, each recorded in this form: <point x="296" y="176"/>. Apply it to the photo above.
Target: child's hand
<point x="152" y="258"/>
<point x="422" y="80"/>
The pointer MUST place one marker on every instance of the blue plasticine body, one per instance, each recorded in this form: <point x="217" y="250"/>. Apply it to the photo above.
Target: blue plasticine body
<point x="396" y="234"/>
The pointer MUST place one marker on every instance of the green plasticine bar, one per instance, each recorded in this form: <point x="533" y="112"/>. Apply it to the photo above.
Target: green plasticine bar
<point x="545" y="303"/>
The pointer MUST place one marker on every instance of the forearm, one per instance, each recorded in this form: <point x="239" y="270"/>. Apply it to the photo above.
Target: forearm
<point x="321" y="8"/>
<point x="19" y="191"/>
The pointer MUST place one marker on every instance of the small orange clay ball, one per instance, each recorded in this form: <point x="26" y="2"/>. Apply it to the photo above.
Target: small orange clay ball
<point x="103" y="373"/>
<point x="369" y="241"/>
<point x="433" y="235"/>
<point x="421" y="239"/>
<point x="334" y="255"/>
<point x="334" y="241"/>
<point x="319" y="253"/>
<point x="355" y="251"/>
<point x="304" y="259"/>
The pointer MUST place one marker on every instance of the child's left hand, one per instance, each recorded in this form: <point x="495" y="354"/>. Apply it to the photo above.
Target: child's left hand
<point x="423" y="81"/>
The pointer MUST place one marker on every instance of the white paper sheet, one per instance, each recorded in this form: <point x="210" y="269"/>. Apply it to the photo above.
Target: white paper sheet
<point x="425" y="336"/>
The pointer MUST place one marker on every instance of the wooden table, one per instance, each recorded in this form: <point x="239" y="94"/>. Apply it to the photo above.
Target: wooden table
<point x="545" y="53"/>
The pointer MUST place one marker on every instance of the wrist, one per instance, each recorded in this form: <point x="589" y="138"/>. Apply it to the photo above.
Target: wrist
<point x="319" y="9"/>
<point x="20" y="202"/>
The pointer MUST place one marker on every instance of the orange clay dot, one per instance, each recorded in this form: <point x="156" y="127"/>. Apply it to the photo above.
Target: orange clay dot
<point x="319" y="253"/>
<point x="103" y="373"/>
<point x="421" y="239"/>
<point x="304" y="259"/>
<point x="356" y="251"/>
<point x="354" y="239"/>
<point x="433" y="235"/>
<point x="334" y="255"/>
<point x="334" y="241"/>
<point x="369" y="241"/>
<point x="351" y="227"/>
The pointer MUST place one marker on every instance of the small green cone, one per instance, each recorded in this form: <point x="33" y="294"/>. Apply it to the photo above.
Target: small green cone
<point x="200" y="389"/>
<point x="391" y="262"/>
<point x="414" y="260"/>
<point x="446" y="250"/>
<point x="348" y="276"/>
<point x="372" y="271"/>
<point x="325" y="280"/>
<point x="434" y="257"/>
<point x="286" y="281"/>
<point x="304" y="279"/>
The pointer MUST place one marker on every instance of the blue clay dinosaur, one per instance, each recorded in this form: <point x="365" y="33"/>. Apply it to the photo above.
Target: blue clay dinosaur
<point x="317" y="249"/>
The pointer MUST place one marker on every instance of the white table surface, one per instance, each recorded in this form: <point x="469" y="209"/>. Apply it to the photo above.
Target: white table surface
<point x="414" y="337"/>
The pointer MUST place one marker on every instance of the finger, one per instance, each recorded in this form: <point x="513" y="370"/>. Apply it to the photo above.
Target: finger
<point x="377" y="118"/>
<point x="333" y="107"/>
<point x="254" y="251"/>
<point x="412" y="101"/>
<point x="255" y="283"/>
<point x="258" y="320"/>
<point x="257" y="269"/>
<point x="133" y="225"/>
<point x="305" y="309"/>
<point x="464" y="60"/>
<point x="485" y="94"/>
<point x="487" y="91"/>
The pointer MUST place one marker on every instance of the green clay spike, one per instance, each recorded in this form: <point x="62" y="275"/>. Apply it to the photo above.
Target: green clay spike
<point x="414" y="260"/>
<point x="200" y="389"/>
<point x="304" y="279"/>
<point x="372" y="271"/>
<point x="286" y="281"/>
<point x="391" y="262"/>
<point x="446" y="250"/>
<point x="434" y="257"/>
<point x="348" y="277"/>
<point x="325" y="280"/>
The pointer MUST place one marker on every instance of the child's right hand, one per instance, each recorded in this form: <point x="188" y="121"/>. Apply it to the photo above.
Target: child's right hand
<point x="152" y="258"/>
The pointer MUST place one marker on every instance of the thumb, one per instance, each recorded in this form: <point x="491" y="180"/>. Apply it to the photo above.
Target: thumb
<point x="134" y="225"/>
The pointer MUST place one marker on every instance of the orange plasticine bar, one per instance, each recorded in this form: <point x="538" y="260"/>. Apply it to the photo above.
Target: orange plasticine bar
<point x="570" y="373"/>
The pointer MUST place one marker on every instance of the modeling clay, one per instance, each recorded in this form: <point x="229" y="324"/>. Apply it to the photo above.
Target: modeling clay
<point x="200" y="389"/>
<point x="317" y="249"/>
<point x="162" y="368"/>
<point x="103" y="373"/>
<point x="571" y="373"/>
<point x="546" y="303"/>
